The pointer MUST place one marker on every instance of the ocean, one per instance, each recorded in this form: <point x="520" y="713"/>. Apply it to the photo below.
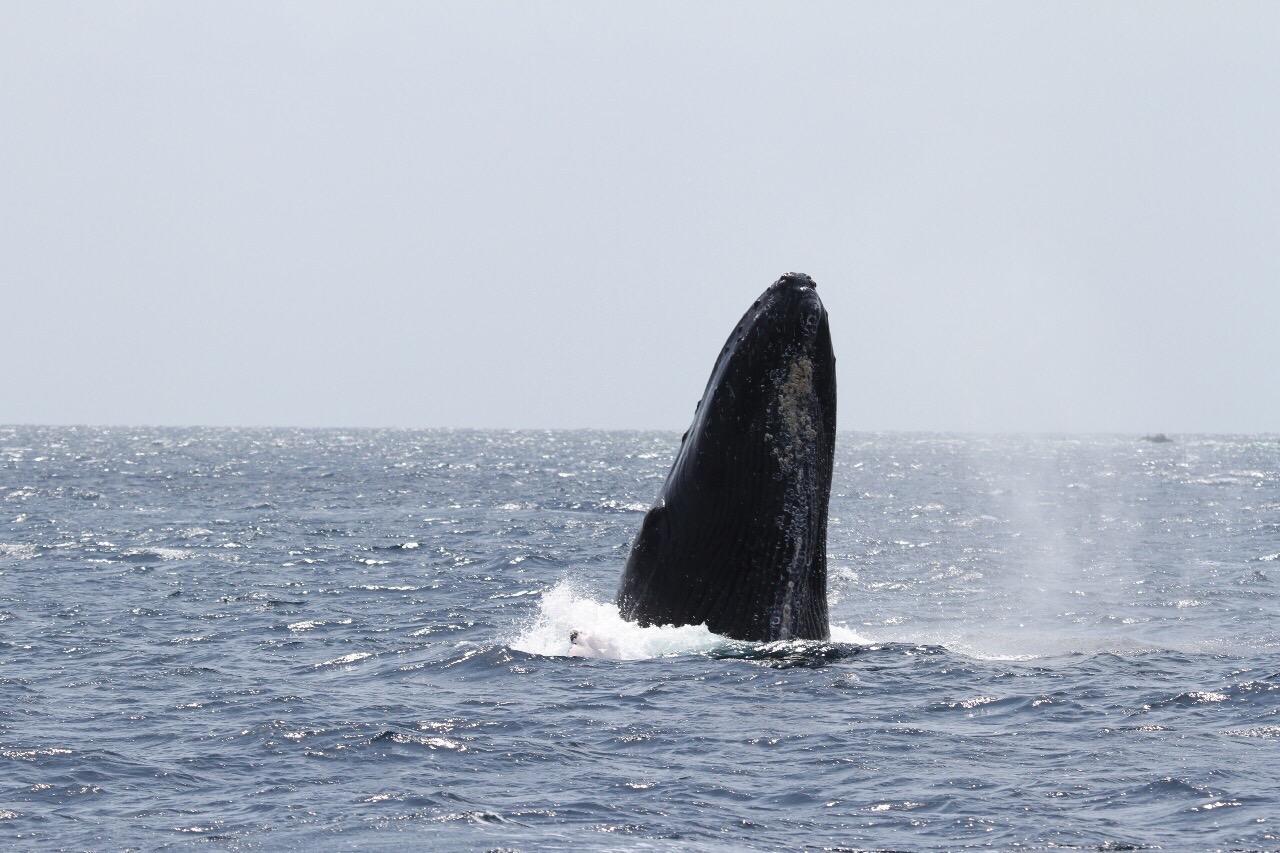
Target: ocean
<point x="359" y="639"/>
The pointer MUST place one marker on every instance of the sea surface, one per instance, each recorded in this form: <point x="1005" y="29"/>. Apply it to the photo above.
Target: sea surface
<point x="342" y="639"/>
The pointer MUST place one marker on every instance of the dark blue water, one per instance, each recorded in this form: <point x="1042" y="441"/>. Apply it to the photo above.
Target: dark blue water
<point x="349" y="639"/>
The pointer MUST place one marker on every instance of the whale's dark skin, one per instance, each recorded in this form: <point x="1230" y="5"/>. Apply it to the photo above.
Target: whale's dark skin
<point x="737" y="538"/>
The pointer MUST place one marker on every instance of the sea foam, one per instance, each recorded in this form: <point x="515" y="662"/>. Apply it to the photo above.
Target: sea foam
<point x="599" y="631"/>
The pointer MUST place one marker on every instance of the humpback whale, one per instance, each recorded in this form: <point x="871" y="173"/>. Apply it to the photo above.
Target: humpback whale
<point x="737" y="537"/>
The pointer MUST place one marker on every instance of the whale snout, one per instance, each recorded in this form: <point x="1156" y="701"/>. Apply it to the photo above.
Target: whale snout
<point x="796" y="279"/>
<point x="789" y="311"/>
<point x="799" y="302"/>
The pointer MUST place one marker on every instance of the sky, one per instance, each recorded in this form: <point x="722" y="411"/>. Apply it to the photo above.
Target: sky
<point x="1048" y="217"/>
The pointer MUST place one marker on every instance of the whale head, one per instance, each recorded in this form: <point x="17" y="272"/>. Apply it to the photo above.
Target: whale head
<point x="775" y="377"/>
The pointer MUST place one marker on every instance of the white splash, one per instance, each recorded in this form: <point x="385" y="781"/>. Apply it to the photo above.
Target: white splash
<point x="602" y="633"/>
<point x="599" y="631"/>
<point x="845" y="634"/>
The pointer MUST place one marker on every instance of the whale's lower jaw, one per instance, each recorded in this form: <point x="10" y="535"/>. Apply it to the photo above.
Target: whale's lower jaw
<point x="736" y="540"/>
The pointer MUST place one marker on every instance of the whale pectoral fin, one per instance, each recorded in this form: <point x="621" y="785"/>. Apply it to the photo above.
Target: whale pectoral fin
<point x="653" y="528"/>
<point x="643" y="563"/>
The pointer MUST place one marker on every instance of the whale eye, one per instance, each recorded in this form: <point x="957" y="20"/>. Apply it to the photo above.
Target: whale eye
<point x="810" y="323"/>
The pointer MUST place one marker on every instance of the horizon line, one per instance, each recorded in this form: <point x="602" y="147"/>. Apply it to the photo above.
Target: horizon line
<point x="614" y="429"/>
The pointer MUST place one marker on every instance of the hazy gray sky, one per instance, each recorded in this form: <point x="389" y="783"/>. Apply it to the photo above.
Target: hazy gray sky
<point x="1021" y="216"/>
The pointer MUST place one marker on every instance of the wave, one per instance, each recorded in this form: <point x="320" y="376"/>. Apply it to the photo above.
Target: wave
<point x="142" y="555"/>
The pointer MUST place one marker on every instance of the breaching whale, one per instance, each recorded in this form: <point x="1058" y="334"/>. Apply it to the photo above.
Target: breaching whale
<point x="737" y="538"/>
